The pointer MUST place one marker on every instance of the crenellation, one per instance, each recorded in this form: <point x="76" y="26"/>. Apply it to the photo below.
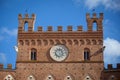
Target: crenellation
<point x="59" y="28"/>
<point x="26" y="16"/>
<point x="87" y="15"/>
<point x="40" y="29"/>
<point x="20" y="16"/>
<point x="33" y="16"/>
<point x="1" y="66"/>
<point x="69" y="28"/>
<point x="118" y="66"/>
<point x="90" y="21"/>
<point x="101" y="16"/>
<point x="79" y="28"/>
<point x="110" y="66"/>
<point x="9" y="66"/>
<point x="49" y="28"/>
<point x="94" y="15"/>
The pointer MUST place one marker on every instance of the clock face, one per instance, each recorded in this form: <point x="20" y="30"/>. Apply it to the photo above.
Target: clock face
<point x="58" y="52"/>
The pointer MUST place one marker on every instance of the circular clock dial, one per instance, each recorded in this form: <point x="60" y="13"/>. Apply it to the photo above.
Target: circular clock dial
<point x="58" y="52"/>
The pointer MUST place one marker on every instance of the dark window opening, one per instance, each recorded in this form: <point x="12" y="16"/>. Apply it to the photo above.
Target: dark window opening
<point x="33" y="54"/>
<point x="86" y="55"/>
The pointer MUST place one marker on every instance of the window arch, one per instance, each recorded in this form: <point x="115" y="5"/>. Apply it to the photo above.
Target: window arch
<point x="68" y="78"/>
<point x="86" y="54"/>
<point x="95" y="26"/>
<point x="31" y="77"/>
<point x="26" y="26"/>
<point x="9" y="77"/>
<point x="49" y="77"/>
<point x="112" y="77"/>
<point x="33" y="54"/>
<point x="87" y="78"/>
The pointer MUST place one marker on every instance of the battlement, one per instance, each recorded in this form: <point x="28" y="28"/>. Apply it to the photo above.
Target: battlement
<point x="60" y="29"/>
<point x="20" y="16"/>
<point x="9" y="66"/>
<point x="94" y="19"/>
<point x="110" y="66"/>
<point x="94" y="16"/>
<point x="30" y="21"/>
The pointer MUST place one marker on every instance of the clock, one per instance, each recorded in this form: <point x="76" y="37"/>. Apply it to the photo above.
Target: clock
<point x="58" y="53"/>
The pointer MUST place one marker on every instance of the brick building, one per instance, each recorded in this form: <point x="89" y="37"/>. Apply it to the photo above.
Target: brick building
<point x="59" y="55"/>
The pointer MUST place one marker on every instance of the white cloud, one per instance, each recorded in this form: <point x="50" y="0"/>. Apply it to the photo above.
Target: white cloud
<point x="92" y="4"/>
<point x="12" y="32"/>
<point x="112" y="51"/>
<point x="108" y="4"/>
<point x="2" y="58"/>
<point x="112" y="4"/>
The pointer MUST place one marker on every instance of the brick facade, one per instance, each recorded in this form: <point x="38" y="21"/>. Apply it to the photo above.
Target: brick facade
<point x="38" y="65"/>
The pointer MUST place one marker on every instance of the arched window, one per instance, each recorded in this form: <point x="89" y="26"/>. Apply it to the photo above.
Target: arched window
<point x="68" y="78"/>
<point x="87" y="78"/>
<point x="112" y="77"/>
<point x="26" y="26"/>
<point x="49" y="77"/>
<point x="8" y="77"/>
<point x="33" y="54"/>
<point x="94" y="26"/>
<point x="86" y="54"/>
<point x="31" y="77"/>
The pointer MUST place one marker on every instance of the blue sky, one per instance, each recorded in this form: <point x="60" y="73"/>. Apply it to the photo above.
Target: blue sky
<point x="55" y="13"/>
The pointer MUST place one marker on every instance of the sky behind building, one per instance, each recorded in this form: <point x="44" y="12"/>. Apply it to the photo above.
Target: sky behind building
<point x="59" y="13"/>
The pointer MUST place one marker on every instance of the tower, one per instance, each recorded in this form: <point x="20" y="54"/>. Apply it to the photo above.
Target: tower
<point x="94" y="19"/>
<point x="59" y="55"/>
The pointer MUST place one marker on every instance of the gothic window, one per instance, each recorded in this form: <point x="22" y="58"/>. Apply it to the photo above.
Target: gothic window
<point x="9" y="77"/>
<point x="68" y="78"/>
<point x="86" y="54"/>
<point x="33" y="54"/>
<point x="49" y="77"/>
<point x="87" y="78"/>
<point x="31" y="77"/>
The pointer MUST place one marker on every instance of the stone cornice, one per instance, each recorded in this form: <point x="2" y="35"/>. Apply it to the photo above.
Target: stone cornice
<point x="60" y="62"/>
